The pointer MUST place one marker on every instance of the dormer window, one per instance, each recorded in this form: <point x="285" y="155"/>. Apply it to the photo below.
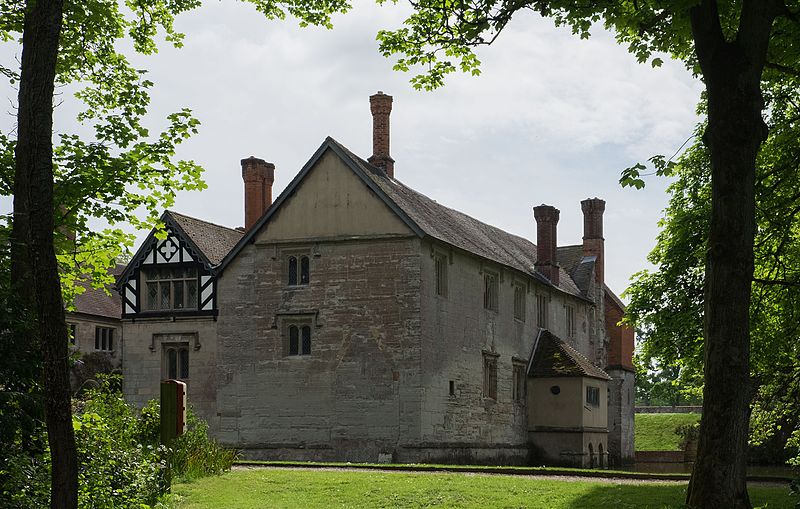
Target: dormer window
<point x="170" y="288"/>
<point x="298" y="270"/>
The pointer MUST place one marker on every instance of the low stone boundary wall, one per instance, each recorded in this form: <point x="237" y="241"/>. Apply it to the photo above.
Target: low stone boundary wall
<point x="659" y="456"/>
<point x="669" y="409"/>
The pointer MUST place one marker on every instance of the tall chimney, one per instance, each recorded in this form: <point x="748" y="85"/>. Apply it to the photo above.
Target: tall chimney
<point x="381" y="106"/>
<point x="546" y="228"/>
<point x="258" y="176"/>
<point x="593" y="241"/>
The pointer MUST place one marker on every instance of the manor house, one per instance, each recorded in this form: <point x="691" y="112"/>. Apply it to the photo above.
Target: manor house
<point x="356" y="319"/>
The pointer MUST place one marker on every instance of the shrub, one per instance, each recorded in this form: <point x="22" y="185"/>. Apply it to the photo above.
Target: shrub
<point x="195" y="455"/>
<point x="688" y="433"/>
<point x="121" y="464"/>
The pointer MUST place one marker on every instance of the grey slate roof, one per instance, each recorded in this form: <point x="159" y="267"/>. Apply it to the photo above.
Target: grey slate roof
<point x="213" y="240"/>
<point x="552" y="357"/>
<point x="458" y="229"/>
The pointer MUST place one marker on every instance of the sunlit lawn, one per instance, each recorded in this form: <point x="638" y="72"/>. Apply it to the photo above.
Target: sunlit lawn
<point x="656" y="432"/>
<point x="293" y="488"/>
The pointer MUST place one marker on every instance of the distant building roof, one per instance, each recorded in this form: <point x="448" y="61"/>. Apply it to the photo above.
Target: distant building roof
<point x="552" y="357"/>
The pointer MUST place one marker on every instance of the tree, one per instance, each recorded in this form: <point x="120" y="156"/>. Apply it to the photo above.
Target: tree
<point x="729" y="44"/>
<point x="113" y="175"/>
<point x="667" y="304"/>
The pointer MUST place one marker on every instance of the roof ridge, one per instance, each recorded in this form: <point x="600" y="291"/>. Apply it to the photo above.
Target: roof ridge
<point x="172" y="212"/>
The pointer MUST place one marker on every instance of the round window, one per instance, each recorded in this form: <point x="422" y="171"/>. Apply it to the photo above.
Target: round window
<point x="555" y="389"/>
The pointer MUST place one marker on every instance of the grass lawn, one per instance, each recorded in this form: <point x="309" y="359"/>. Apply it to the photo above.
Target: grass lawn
<point x="656" y="432"/>
<point x="292" y="488"/>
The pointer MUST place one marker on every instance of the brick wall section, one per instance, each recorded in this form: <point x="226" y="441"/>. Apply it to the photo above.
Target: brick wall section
<point x="546" y="241"/>
<point x="381" y="106"/>
<point x="357" y="395"/>
<point x="593" y="243"/>
<point x="258" y="176"/>
<point x="620" y="348"/>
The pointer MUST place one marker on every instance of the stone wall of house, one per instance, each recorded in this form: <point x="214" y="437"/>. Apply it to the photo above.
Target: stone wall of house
<point x="85" y="327"/>
<point x="457" y="332"/>
<point x="357" y="396"/>
<point x="146" y="343"/>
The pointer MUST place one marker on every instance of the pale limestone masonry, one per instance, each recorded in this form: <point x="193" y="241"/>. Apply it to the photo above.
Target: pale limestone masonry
<point x="144" y="365"/>
<point x="359" y="393"/>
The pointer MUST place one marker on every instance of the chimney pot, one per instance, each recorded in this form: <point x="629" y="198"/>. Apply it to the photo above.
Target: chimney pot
<point x="258" y="176"/>
<point x="546" y="241"/>
<point x="380" y="105"/>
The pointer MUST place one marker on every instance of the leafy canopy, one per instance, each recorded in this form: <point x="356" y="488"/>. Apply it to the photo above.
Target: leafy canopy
<point x="440" y="36"/>
<point x="117" y="169"/>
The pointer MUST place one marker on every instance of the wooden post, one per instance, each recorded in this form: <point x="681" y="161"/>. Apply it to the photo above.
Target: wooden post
<point x="173" y="410"/>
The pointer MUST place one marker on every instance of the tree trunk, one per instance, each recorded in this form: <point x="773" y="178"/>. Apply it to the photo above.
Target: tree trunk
<point x="732" y="73"/>
<point x="34" y="268"/>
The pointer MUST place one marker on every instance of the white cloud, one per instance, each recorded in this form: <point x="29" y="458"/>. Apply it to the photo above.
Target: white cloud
<point x="551" y="119"/>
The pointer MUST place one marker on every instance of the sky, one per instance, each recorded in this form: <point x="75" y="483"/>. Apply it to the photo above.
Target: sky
<point x="551" y="119"/>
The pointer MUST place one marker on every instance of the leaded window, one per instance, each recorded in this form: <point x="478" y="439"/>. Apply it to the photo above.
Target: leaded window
<point x="299" y="270"/>
<point x="170" y="288"/>
<point x="299" y="340"/>
<point x="177" y="362"/>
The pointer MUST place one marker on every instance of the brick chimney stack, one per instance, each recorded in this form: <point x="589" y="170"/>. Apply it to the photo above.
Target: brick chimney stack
<point x="546" y="242"/>
<point x="258" y="176"/>
<point x="381" y="106"/>
<point x="593" y="241"/>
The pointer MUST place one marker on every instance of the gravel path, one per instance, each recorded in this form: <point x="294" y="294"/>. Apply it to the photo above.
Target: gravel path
<point x="568" y="478"/>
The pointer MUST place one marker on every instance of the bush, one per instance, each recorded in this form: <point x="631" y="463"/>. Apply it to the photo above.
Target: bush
<point x="121" y="464"/>
<point x="195" y="455"/>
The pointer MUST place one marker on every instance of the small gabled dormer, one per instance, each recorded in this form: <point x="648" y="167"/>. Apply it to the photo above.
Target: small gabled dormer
<point x="176" y="275"/>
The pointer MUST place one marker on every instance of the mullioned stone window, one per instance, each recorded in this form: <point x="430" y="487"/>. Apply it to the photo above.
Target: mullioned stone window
<point x="490" y="375"/>
<point x="299" y="340"/>
<point x="103" y="339"/>
<point x="570" y="321"/>
<point x="541" y="311"/>
<point x="519" y="302"/>
<point x="299" y="270"/>
<point x="491" y="289"/>
<point x="440" y="274"/>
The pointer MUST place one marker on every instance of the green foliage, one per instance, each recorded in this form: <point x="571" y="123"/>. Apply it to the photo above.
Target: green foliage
<point x="689" y="432"/>
<point x="121" y="462"/>
<point x="195" y="455"/>
<point x="667" y="305"/>
<point x="659" y="432"/>
<point x="117" y="468"/>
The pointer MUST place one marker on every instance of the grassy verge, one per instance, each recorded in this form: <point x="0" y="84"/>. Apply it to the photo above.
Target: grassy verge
<point x="286" y="488"/>
<point x="656" y="432"/>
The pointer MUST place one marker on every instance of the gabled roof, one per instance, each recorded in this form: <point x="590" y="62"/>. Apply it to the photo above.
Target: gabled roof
<point x="552" y="357"/>
<point x="209" y="242"/>
<point x="212" y="240"/>
<point x="425" y="217"/>
<point x="579" y="267"/>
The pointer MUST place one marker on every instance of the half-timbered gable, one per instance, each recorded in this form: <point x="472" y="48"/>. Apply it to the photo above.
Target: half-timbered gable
<point x="174" y="271"/>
